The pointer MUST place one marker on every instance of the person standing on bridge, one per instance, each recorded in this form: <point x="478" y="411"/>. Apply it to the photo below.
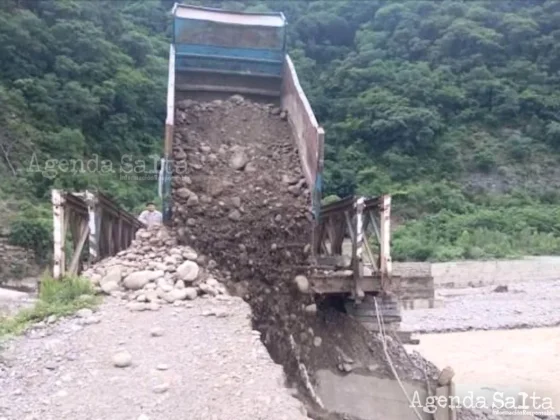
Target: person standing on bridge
<point x="150" y="217"/>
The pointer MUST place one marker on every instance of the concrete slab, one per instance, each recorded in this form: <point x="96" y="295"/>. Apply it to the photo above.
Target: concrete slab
<point x="368" y="397"/>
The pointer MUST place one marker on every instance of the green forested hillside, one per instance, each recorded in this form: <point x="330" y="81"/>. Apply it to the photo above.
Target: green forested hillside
<point x="78" y="80"/>
<point x="453" y="107"/>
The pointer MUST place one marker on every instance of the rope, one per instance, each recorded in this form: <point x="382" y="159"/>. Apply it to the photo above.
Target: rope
<point x="421" y="369"/>
<point x="381" y="326"/>
<point x="305" y="375"/>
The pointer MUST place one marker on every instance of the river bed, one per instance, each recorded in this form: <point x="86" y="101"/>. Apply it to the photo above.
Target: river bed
<point x="526" y="359"/>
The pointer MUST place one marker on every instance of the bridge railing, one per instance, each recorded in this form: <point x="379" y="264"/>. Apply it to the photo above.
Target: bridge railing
<point x="96" y="225"/>
<point x="308" y="134"/>
<point x="366" y="223"/>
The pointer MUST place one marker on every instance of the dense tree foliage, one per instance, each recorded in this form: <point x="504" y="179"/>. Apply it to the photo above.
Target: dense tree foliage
<point x="451" y="106"/>
<point x="79" y="80"/>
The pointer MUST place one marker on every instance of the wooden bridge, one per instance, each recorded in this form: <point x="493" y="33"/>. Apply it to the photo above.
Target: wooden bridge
<point x="350" y="255"/>
<point x="90" y="217"/>
<point x="351" y="259"/>
<point x="365" y="222"/>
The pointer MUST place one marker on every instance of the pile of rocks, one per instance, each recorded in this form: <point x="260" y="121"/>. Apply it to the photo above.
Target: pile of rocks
<point x="155" y="270"/>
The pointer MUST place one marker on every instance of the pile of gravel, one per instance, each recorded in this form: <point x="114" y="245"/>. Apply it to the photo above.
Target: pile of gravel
<point x="154" y="270"/>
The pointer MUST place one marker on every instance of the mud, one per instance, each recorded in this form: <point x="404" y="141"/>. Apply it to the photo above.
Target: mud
<point x="243" y="202"/>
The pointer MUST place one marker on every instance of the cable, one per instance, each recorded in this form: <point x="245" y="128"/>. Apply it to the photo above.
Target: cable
<point x="423" y="369"/>
<point x="385" y="350"/>
<point x="304" y="374"/>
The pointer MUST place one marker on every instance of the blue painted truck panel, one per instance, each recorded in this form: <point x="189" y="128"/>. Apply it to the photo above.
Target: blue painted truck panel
<point x="276" y="56"/>
<point x="229" y="44"/>
<point x="227" y="65"/>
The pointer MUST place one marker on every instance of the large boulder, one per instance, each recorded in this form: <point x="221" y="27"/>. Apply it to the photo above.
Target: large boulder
<point x="302" y="283"/>
<point x="95" y="278"/>
<point x="188" y="271"/>
<point x="190" y="293"/>
<point x="109" y="286"/>
<point x="190" y="254"/>
<point x="174" y="295"/>
<point x="238" y="160"/>
<point x="151" y="295"/>
<point x="184" y="192"/>
<point x="114" y="275"/>
<point x="139" y="279"/>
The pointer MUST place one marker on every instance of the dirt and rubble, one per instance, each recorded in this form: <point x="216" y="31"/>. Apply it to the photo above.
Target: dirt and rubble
<point x="199" y="360"/>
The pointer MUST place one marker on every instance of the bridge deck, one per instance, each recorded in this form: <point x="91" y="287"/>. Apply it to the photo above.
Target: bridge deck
<point x="343" y="282"/>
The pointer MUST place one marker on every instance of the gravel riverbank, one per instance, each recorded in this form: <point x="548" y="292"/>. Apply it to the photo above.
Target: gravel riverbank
<point x="523" y="305"/>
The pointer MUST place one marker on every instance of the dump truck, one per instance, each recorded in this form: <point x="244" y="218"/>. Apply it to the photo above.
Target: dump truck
<point x="216" y="54"/>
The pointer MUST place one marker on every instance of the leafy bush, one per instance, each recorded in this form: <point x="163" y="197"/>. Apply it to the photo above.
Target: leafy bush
<point x="481" y="234"/>
<point x="485" y="160"/>
<point x="34" y="234"/>
<point x="329" y="199"/>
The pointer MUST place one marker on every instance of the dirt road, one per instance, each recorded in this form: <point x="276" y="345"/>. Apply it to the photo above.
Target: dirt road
<point x="198" y="360"/>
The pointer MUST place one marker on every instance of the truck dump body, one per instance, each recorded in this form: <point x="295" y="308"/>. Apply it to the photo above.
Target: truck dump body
<point x="226" y="52"/>
<point x="216" y="54"/>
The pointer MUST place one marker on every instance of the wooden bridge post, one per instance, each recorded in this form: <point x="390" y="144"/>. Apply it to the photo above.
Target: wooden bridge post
<point x="119" y="240"/>
<point x="79" y="237"/>
<point x="59" y="234"/>
<point x="91" y="202"/>
<point x="385" y="262"/>
<point x="358" y="247"/>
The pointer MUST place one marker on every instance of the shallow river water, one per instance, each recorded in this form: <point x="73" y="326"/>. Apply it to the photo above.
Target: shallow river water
<point x="526" y="360"/>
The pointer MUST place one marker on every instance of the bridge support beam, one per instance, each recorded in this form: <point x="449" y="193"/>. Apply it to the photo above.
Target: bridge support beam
<point x="92" y="218"/>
